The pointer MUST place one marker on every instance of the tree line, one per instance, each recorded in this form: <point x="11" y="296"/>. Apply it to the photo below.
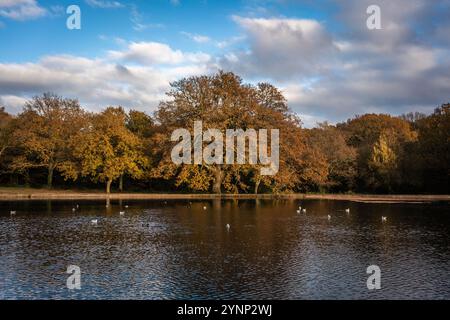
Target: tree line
<point x="54" y="141"/>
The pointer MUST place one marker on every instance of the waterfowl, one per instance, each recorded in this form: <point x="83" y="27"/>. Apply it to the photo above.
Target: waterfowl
<point x="228" y="226"/>
<point x="298" y="211"/>
<point x="122" y="213"/>
<point x="329" y="217"/>
<point x="304" y="210"/>
<point x="94" y="221"/>
<point x="12" y="213"/>
<point x="347" y="210"/>
<point x="73" y="209"/>
<point x="126" y="206"/>
<point x="383" y="219"/>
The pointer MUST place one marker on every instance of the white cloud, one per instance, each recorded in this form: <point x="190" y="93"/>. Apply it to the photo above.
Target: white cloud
<point x="100" y="82"/>
<point x="138" y="23"/>
<point x="105" y="4"/>
<point x="325" y="74"/>
<point x="282" y="48"/>
<point x="228" y="42"/>
<point x="21" y="9"/>
<point x="335" y="75"/>
<point x="14" y="103"/>
<point x="152" y="53"/>
<point x="196" y="37"/>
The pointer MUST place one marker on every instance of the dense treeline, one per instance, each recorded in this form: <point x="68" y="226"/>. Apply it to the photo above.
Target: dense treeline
<point x="55" y="141"/>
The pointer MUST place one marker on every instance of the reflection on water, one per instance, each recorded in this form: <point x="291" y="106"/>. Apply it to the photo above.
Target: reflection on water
<point x="179" y="250"/>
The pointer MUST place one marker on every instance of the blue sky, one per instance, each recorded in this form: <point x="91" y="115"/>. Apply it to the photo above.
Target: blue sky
<point x="155" y="20"/>
<point x="320" y="53"/>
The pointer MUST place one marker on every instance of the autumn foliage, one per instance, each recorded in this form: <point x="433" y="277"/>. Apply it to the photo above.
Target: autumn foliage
<point x="55" y="141"/>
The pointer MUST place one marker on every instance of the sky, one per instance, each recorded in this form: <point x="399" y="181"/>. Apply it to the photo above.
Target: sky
<point x="321" y="54"/>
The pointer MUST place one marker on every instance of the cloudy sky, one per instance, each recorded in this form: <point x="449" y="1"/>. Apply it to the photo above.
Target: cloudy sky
<point x="329" y="65"/>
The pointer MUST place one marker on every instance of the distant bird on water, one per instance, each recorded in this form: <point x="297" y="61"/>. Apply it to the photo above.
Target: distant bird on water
<point x="94" y="221"/>
<point x="228" y="226"/>
<point x="298" y="211"/>
<point x="304" y="210"/>
<point x="383" y="219"/>
<point x="329" y="217"/>
<point x="12" y="213"/>
<point x="126" y="206"/>
<point x="122" y="213"/>
<point x="73" y="209"/>
<point x="347" y="210"/>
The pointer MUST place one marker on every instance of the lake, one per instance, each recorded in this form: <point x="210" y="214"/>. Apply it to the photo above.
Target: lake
<point x="181" y="249"/>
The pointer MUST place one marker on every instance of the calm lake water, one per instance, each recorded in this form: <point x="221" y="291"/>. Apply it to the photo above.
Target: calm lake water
<point x="179" y="250"/>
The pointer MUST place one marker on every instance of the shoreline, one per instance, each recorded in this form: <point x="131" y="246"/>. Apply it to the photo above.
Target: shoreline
<point x="11" y="194"/>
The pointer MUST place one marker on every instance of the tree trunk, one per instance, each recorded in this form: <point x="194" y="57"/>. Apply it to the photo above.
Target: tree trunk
<point x="2" y="150"/>
<point x="257" y="185"/>
<point x="26" y="176"/>
<point x="14" y="179"/>
<point x="217" y="180"/>
<point x="121" y="183"/>
<point x="108" y="186"/>
<point x="50" y="176"/>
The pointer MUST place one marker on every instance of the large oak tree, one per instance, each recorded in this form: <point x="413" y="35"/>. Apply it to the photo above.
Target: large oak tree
<point x="44" y="129"/>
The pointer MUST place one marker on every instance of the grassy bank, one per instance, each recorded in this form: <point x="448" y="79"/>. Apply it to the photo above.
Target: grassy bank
<point x="45" y="194"/>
